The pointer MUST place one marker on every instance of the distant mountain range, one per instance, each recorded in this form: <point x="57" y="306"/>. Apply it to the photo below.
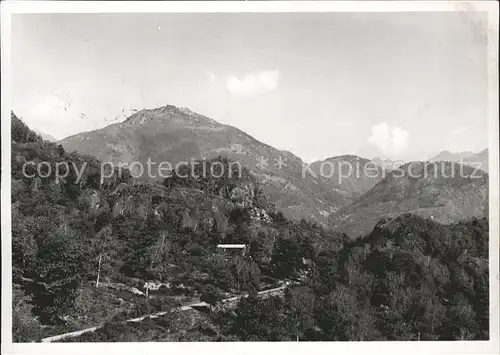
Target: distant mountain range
<point x="477" y="160"/>
<point x="175" y="135"/>
<point x="445" y="192"/>
<point x="349" y="173"/>
<point x="387" y="164"/>
<point x="449" y="156"/>
<point x="45" y="136"/>
<point x="323" y="191"/>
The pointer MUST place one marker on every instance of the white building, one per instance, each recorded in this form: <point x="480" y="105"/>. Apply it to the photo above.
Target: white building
<point x="232" y="248"/>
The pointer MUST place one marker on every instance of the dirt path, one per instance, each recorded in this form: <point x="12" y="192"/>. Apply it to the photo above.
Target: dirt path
<point x="154" y="315"/>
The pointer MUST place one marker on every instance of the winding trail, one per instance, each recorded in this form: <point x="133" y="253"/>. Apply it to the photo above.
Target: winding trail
<point x="156" y="315"/>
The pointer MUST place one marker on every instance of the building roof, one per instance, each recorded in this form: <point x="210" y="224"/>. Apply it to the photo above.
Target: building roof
<point x="232" y="246"/>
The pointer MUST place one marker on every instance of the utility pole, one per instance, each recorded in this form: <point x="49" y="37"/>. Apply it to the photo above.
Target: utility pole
<point x="101" y="255"/>
<point x="98" y="271"/>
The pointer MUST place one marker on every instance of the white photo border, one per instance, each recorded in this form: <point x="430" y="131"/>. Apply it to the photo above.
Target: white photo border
<point x="13" y="8"/>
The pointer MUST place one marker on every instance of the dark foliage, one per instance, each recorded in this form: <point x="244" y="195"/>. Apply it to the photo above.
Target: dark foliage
<point x="409" y="279"/>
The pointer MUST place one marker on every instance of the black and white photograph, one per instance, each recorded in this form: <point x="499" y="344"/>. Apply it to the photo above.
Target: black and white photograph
<point x="250" y="172"/>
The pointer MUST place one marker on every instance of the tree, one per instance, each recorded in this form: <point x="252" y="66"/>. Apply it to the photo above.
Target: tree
<point x="211" y="295"/>
<point x="460" y="321"/>
<point x="24" y="247"/>
<point x="221" y="274"/>
<point x="59" y="270"/>
<point x="246" y="273"/>
<point x="102" y="246"/>
<point x="426" y="315"/>
<point x="261" y="247"/>
<point x="300" y="301"/>
<point x="325" y="272"/>
<point x="262" y="320"/>
<point x="24" y="327"/>
<point x="286" y="259"/>
<point x="340" y="317"/>
<point x="160" y="254"/>
<point x="20" y="132"/>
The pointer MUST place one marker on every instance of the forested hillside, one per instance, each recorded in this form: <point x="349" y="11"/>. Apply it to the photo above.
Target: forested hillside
<point x="84" y="247"/>
<point x="410" y="279"/>
<point x="66" y="235"/>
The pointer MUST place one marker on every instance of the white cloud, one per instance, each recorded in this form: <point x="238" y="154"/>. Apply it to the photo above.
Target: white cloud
<point x="253" y="84"/>
<point x="210" y="75"/>
<point x="391" y="141"/>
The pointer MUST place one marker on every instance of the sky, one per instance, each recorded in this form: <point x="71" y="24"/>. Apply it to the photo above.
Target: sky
<point x="402" y="86"/>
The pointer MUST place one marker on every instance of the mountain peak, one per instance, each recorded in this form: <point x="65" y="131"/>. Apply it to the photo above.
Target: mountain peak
<point x="167" y="112"/>
<point x="347" y="157"/>
<point x="446" y="155"/>
<point x="45" y="136"/>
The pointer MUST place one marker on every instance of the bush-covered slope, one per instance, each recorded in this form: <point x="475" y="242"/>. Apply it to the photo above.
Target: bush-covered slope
<point x="409" y="279"/>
